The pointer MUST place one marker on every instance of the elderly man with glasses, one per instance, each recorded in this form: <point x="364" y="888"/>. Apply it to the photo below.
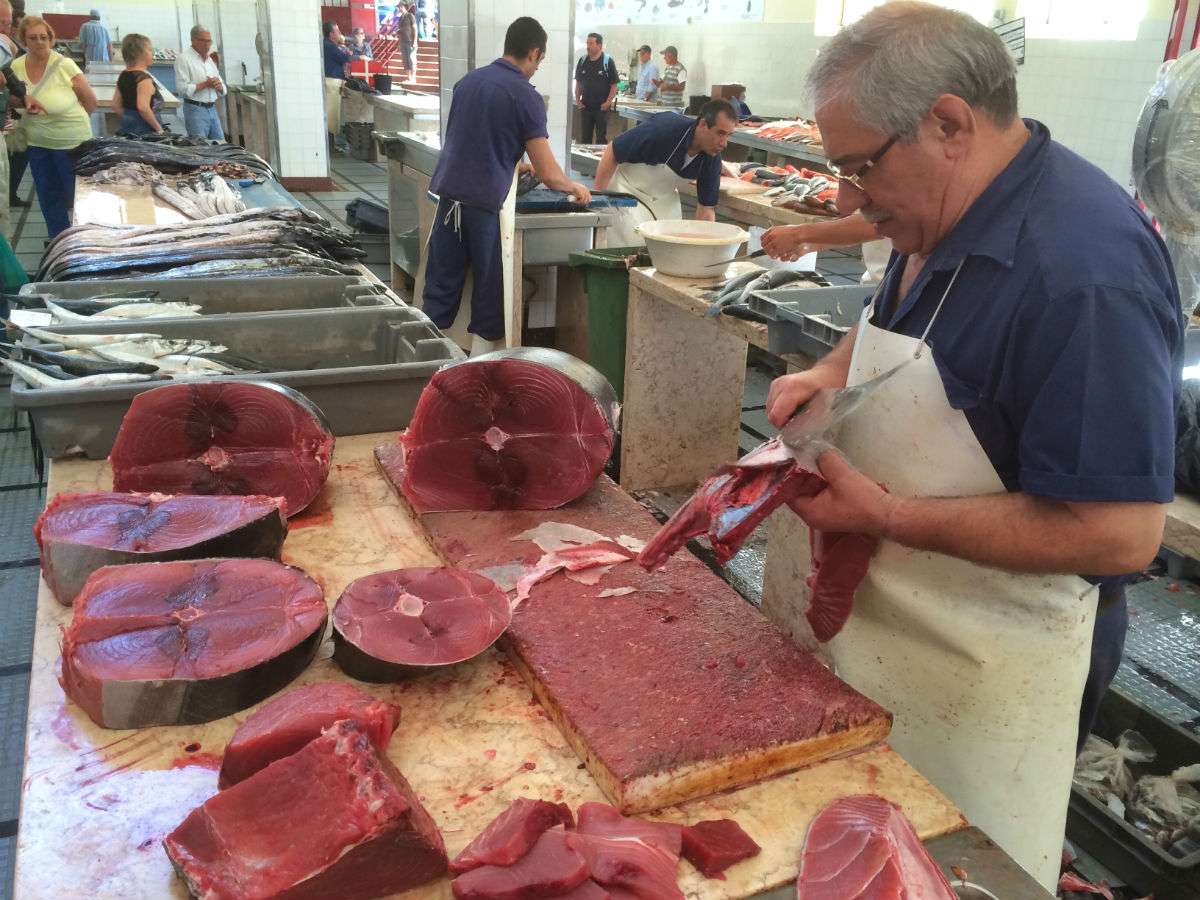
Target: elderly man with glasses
<point x="200" y="82"/>
<point x="1016" y="461"/>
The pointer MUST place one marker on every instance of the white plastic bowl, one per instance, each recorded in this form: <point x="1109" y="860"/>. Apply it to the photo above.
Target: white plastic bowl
<point x="688" y="248"/>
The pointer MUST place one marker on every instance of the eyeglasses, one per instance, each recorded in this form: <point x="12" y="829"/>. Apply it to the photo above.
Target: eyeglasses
<point x="855" y="178"/>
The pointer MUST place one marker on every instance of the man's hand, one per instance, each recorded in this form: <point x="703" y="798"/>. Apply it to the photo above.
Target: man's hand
<point x="656" y="81"/>
<point x="580" y="194"/>
<point x="606" y="105"/>
<point x="787" y="392"/>
<point x="786" y="242"/>
<point x="579" y="102"/>
<point x="851" y="503"/>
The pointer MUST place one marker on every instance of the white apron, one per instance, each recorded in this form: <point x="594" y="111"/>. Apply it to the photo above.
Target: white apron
<point x="983" y="669"/>
<point x="656" y="186"/>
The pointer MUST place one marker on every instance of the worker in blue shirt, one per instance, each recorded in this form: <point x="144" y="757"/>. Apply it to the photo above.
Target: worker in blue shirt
<point x="647" y="74"/>
<point x="496" y="117"/>
<point x="95" y="39"/>
<point x="336" y="55"/>
<point x="1028" y="433"/>
<point x="648" y="161"/>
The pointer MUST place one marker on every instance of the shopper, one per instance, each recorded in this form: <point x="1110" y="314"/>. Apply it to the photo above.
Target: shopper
<point x="406" y="31"/>
<point x="595" y="86"/>
<point x="137" y="98"/>
<point x="336" y="56"/>
<point x="15" y="155"/>
<point x="197" y="79"/>
<point x="674" y="79"/>
<point x="647" y="73"/>
<point x="96" y="40"/>
<point x="360" y="47"/>
<point x="58" y="104"/>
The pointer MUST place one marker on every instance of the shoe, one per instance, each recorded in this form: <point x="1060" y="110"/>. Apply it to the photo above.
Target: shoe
<point x="17" y="201"/>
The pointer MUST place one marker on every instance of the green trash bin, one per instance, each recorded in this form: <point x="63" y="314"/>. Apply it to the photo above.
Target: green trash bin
<point x="606" y="279"/>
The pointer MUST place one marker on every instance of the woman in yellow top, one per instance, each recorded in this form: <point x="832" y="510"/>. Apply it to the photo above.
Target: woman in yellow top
<point x="58" y="104"/>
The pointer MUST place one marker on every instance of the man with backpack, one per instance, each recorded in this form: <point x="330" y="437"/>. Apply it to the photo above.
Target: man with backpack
<point x="595" y="86"/>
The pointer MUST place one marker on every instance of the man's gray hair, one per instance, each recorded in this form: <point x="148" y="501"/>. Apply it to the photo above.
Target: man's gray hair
<point x="892" y="64"/>
<point x="198" y="30"/>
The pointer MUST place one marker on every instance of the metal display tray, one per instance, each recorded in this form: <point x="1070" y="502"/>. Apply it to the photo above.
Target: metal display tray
<point x="364" y="368"/>
<point x="809" y="320"/>
<point x="222" y="296"/>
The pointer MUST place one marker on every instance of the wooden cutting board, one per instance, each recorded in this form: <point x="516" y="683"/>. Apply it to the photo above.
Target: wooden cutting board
<point x="676" y="691"/>
<point x="737" y="187"/>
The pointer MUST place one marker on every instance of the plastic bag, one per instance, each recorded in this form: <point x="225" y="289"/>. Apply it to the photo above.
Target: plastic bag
<point x="1166" y="806"/>
<point x="1103" y="770"/>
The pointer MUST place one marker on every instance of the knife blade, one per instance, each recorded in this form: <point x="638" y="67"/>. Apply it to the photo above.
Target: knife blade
<point x="754" y="255"/>
<point x="825" y="410"/>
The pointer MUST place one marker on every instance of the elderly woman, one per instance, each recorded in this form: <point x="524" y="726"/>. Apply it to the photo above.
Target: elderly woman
<point x="137" y="98"/>
<point x="58" y="103"/>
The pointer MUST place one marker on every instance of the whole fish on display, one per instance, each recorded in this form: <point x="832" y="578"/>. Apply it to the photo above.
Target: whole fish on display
<point x="226" y="159"/>
<point x="77" y="366"/>
<point x="37" y="378"/>
<point x="772" y="278"/>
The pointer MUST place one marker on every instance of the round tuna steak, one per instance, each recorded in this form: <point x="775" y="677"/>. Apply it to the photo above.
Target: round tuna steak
<point x="391" y="625"/>
<point x="224" y="437"/>
<point x="80" y="533"/>
<point x="178" y="643"/>
<point x="527" y="428"/>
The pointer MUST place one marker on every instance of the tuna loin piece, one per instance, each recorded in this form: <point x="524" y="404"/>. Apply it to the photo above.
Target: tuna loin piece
<point x="602" y="820"/>
<point x="714" y="846"/>
<point x="629" y="867"/>
<point x="550" y="868"/>
<point x="509" y="836"/>
<point x="177" y="643"/>
<point x="224" y="438"/>
<point x="335" y="819"/>
<point x="863" y="848"/>
<point x="390" y="625"/>
<point x="527" y="428"/>
<point x="732" y="503"/>
<point x="291" y="720"/>
<point x="80" y="533"/>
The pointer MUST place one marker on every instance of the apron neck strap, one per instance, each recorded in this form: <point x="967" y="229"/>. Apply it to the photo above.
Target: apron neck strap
<point x="938" y="309"/>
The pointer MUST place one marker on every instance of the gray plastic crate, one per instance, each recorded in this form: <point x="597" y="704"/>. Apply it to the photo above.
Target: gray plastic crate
<point x="809" y="320"/>
<point x="222" y="296"/>
<point x="365" y="369"/>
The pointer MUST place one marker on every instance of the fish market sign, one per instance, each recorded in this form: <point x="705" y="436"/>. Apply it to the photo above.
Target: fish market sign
<point x="595" y="13"/>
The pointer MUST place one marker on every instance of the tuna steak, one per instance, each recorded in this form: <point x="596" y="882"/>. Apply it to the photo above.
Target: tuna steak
<point x="550" y="868"/>
<point x="224" y="437"/>
<point x="509" y="836"/>
<point x="629" y="867"/>
<point x="526" y="428"/>
<point x="286" y="723"/>
<point x="177" y="643"/>
<point x="603" y="820"/>
<point x="731" y="504"/>
<point x="395" y="624"/>
<point x="80" y="533"/>
<point x="863" y="848"/>
<point x="334" y="819"/>
<point x="714" y="846"/>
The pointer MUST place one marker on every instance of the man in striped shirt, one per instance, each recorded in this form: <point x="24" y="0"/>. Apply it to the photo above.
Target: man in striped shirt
<point x="674" y="79"/>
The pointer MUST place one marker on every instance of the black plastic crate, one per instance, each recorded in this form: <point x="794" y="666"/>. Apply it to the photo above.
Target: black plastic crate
<point x="1116" y="844"/>
<point x="367" y="216"/>
<point x="362" y="144"/>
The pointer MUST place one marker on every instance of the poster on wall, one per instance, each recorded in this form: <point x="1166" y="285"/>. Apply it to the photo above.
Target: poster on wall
<point x="594" y="13"/>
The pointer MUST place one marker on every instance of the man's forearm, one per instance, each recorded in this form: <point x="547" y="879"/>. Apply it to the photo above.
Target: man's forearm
<point x="706" y="213"/>
<point x="605" y="169"/>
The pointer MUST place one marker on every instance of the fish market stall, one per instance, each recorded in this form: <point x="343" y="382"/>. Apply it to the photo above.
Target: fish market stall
<point x="397" y="112"/>
<point x="249" y="123"/>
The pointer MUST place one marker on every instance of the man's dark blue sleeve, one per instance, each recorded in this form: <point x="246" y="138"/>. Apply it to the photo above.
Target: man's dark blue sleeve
<point x="613" y="78"/>
<point x="578" y="73"/>
<point x="531" y="115"/>
<point x="635" y="145"/>
<point x="708" y="185"/>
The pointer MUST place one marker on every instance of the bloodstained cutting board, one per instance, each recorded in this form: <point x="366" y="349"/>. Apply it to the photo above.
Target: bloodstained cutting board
<point x="677" y="691"/>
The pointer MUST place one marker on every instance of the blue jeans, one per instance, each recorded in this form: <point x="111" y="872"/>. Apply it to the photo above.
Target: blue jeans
<point x="202" y="121"/>
<point x="133" y="123"/>
<point x="54" y="180"/>
<point x="475" y="244"/>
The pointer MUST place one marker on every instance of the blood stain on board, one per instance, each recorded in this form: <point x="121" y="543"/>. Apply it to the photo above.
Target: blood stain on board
<point x="203" y="760"/>
<point x="464" y="799"/>
<point x="63" y="728"/>
<point x="489" y="754"/>
<point x="318" y="513"/>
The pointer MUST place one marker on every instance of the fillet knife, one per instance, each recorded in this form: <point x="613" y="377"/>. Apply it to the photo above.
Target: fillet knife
<point x="806" y="431"/>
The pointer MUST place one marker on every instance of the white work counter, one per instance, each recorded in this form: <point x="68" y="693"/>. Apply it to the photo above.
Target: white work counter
<point x="407" y="112"/>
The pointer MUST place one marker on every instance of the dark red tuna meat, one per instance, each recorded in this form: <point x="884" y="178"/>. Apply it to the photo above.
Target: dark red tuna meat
<point x="230" y="437"/>
<point x="80" y="533"/>
<point x="509" y="836"/>
<point x="527" y="428"/>
<point x="550" y="868"/>
<point x="863" y="847"/>
<point x="391" y="625"/>
<point x="334" y="819"/>
<point x="286" y="723"/>
<point x="714" y="846"/>
<point x="177" y="643"/>
<point x="731" y="504"/>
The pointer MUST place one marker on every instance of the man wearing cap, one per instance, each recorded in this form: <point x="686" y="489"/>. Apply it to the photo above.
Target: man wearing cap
<point x="95" y="39"/>
<point x="595" y="86"/>
<point x="674" y="79"/>
<point x="647" y="73"/>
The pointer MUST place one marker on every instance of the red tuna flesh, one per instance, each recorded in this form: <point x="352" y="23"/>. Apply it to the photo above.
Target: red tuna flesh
<point x="224" y="438"/>
<point x="589" y="890"/>
<point x="549" y="869"/>
<point x="509" y="836"/>
<point x="334" y="819"/>
<point x="863" y="848"/>
<point x="288" y="722"/>
<point x="184" y="642"/>
<point x="731" y="504"/>
<point x="714" y="846"/>
<point x="391" y="624"/>
<point x="518" y="429"/>
<point x="80" y="533"/>
<point x="603" y="820"/>
<point x="629" y="867"/>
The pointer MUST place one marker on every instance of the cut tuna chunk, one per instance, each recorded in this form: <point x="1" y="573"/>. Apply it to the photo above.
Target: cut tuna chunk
<point x="391" y="625"/>
<point x="509" y="836"/>
<point x="603" y="820"/>
<point x="80" y="533"/>
<point x="334" y="819"/>
<point x="629" y="867"/>
<point x="224" y="437"/>
<point x="863" y="848"/>
<point x="285" y="724"/>
<point x="549" y="869"/>
<point x="589" y="890"/>
<point x="714" y="846"/>
<point x="527" y="428"/>
<point x="177" y="643"/>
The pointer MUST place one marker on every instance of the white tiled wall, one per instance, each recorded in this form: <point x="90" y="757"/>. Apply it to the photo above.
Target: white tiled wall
<point x="238" y="25"/>
<point x="297" y="83"/>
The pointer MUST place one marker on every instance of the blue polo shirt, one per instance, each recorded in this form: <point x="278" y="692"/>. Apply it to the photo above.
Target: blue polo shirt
<point x="1061" y="340"/>
<point x="495" y="110"/>
<point x="664" y="139"/>
<point x="336" y="57"/>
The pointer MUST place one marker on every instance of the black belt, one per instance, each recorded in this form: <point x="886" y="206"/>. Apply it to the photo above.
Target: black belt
<point x="198" y="103"/>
